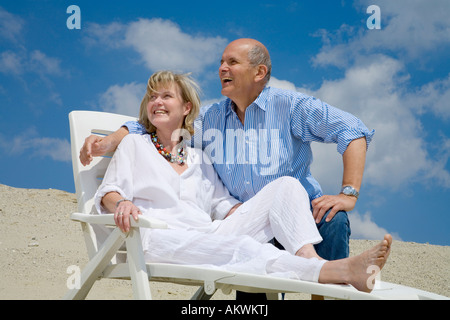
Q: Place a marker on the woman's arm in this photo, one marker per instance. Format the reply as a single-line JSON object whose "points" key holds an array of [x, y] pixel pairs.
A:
{"points": [[122, 209]]}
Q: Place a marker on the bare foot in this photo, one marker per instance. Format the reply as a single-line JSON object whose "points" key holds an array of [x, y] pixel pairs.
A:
{"points": [[368, 264], [358, 270], [308, 252]]}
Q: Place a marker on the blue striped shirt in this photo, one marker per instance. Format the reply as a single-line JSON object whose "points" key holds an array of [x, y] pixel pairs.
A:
{"points": [[274, 141]]}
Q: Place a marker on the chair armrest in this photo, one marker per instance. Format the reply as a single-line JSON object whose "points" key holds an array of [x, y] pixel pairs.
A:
{"points": [[108, 219]]}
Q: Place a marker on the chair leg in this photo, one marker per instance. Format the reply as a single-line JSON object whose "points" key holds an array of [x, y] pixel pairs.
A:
{"points": [[274, 296], [138, 269], [200, 294], [96, 265]]}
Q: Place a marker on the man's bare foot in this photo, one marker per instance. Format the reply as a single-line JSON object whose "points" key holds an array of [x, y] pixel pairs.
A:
{"points": [[358, 270]]}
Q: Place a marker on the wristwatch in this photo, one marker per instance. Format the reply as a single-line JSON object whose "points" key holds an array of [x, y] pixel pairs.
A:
{"points": [[350, 191]]}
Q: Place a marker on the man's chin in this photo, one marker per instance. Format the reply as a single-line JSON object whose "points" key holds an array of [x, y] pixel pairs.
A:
{"points": [[226, 91]]}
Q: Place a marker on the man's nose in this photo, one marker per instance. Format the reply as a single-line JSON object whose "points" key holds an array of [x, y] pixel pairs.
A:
{"points": [[223, 67]]}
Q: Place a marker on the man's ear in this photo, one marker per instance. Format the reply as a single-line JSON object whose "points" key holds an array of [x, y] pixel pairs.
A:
{"points": [[261, 72]]}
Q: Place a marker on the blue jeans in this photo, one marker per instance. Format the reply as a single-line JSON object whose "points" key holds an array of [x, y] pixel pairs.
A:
{"points": [[336, 236]]}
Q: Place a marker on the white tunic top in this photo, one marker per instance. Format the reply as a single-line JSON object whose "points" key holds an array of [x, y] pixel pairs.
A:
{"points": [[194, 205], [191, 200]]}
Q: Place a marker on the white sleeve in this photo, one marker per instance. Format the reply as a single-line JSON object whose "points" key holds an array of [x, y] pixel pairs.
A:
{"points": [[222, 201], [119, 175]]}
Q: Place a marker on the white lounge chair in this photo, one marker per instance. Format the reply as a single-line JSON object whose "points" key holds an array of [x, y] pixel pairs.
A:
{"points": [[108, 258]]}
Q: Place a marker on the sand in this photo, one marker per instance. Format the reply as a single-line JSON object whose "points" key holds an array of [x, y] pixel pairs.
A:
{"points": [[38, 242]]}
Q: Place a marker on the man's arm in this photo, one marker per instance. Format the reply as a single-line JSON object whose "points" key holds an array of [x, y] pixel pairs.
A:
{"points": [[354, 159], [95, 146]]}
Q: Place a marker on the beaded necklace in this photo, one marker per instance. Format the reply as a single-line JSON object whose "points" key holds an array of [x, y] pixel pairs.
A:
{"points": [[179, 158]]}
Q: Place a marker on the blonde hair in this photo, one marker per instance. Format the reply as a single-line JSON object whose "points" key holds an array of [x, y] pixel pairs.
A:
{"points": [[189, 93]]}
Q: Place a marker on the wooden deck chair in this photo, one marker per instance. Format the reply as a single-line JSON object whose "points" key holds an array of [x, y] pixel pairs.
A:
{"points": [[104, 242]]}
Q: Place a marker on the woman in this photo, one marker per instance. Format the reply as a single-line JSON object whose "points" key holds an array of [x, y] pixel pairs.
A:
{"points": [[160, 176]]}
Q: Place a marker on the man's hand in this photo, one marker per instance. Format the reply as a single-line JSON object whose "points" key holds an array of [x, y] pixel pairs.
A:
{"points": [[341, 202], [93, 146]]}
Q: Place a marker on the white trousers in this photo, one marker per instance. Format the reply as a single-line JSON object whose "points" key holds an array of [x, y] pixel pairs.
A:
{"points": [[239, 243]]}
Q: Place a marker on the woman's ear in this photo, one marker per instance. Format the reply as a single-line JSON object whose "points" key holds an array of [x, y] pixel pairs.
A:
{"points": [[187, 108]]}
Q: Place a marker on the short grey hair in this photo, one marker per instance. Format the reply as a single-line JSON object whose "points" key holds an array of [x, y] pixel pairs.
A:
{"points": [[257, 56]]}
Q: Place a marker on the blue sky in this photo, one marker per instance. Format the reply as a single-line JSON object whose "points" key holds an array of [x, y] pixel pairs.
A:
{"points": [[396, 79]]}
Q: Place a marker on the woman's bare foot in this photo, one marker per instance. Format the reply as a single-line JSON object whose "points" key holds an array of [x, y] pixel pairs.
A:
{"points": [[358, 270], [308, 252]]}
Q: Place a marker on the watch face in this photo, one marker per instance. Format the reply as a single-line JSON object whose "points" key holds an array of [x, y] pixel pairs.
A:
{"points": [[347, 190], [350, 191]]}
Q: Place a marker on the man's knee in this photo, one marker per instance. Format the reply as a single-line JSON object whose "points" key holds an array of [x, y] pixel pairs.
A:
{"points": [[336, 235], [339, 225], [340, 219]]}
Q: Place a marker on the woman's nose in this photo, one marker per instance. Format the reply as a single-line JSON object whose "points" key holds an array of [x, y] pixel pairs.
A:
{"points": [[158, 101]]}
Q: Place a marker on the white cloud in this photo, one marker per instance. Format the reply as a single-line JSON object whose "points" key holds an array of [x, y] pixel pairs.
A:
{"points": [[376, 92], [18, 63], [409, 29], [42, 64], [29, 144], [282, 84], [376, 88], [160, 43], [364, 228], [163, 45], [432, 97], [11, 63], [111, 35], [11, 26], [54, 148], [125, 99]]}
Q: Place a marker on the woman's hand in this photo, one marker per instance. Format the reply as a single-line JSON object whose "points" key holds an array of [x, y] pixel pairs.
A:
{"points": [[124, 210], [232, 210]]}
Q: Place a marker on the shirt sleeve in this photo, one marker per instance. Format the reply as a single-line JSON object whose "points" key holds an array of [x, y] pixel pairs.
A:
{"points": [[314, 120], [135, 127], [119, 175], [222, 201]]}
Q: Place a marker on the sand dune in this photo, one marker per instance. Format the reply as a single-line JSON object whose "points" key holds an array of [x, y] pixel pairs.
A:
{"points": [[38, 242]]}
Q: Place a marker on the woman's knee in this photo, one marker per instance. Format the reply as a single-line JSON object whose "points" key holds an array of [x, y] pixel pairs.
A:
{"points": [[290, 184]]}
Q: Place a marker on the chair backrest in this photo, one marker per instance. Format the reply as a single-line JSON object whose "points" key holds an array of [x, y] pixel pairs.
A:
{"points": [[88, 178]]}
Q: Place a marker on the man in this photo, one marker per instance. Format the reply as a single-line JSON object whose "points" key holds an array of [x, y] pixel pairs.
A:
{"points": [[260, 133]]}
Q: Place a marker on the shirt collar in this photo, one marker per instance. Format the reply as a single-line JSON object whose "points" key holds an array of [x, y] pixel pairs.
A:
{"points": [[260, 101]]}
